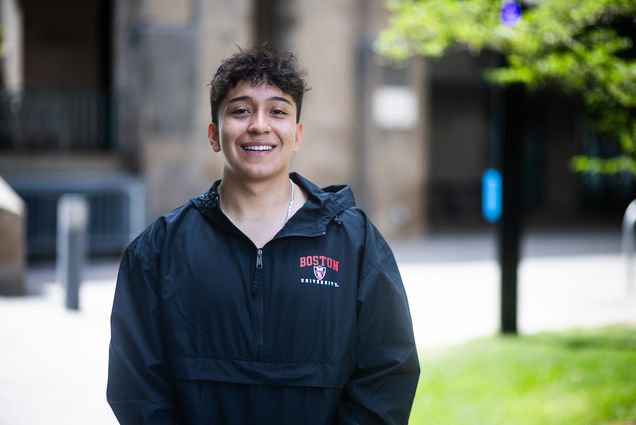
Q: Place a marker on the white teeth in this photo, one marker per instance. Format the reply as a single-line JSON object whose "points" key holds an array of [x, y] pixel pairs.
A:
{"points": [[257, 148]]}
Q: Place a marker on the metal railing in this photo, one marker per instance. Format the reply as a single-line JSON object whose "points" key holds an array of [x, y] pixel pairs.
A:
{"points": [[117, 209], [55, 120]]}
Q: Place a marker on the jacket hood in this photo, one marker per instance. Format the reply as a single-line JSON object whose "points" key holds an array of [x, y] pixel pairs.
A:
{"points": [[322, 206]]}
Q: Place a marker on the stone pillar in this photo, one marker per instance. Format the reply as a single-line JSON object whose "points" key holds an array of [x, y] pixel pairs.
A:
{"points": [[323, 38], [396, 165], [166, 53], [225, 24], [344, 142], [12, 242]]}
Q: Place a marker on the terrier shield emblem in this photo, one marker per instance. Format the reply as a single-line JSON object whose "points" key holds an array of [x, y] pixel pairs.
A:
{"points": [[319, 272]]}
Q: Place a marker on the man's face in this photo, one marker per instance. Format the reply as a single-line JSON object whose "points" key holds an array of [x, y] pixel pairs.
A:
{"points": [[256, 132]]}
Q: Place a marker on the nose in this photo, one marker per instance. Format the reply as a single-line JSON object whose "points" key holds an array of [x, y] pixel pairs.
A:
{"points": [[259, 124]]}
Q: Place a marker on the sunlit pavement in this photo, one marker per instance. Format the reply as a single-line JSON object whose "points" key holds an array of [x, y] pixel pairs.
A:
{"points": [[565, 281], [53, 362]]}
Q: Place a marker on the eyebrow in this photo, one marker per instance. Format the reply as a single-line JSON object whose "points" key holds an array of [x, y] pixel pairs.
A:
{"points": [[249, 98]]}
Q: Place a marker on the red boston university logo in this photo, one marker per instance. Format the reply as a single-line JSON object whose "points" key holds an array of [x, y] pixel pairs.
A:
{"points": [[319, 260], [320, 265]]}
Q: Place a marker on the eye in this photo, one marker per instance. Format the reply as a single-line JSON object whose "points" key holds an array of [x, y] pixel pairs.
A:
{"points": [[279, 112], [240, 111]]}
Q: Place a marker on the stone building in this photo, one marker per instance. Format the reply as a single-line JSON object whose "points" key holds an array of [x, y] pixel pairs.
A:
{"points": [[110, 98]]}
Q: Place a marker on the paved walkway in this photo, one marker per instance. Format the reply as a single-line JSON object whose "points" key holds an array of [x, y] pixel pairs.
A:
{"points": [[53, 363]]}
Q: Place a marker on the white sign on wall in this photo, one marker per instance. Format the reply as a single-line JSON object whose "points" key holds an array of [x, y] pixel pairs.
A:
{"points": [[395, 107]]}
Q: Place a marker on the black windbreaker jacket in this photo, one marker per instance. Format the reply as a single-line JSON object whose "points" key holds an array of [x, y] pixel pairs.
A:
{"points": [[314, 328]]}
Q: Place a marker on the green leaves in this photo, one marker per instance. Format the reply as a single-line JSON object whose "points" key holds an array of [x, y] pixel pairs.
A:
{"points": [[570, 44], [430, 27]]}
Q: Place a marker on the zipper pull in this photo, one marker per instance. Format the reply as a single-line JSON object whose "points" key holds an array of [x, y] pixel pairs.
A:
{"points": [[259, 259], [259, 265]]}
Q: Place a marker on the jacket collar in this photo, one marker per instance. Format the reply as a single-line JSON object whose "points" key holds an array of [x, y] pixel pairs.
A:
{"points": [[322, 206]]}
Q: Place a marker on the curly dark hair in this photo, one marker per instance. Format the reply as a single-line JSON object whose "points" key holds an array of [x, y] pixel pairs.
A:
{"points": [[258, 65]]}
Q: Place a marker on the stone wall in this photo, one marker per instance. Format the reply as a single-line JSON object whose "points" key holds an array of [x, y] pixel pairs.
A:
{"points": [[165, 62]]}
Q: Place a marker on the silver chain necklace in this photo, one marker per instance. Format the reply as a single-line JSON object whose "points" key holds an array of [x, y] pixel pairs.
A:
{"points": [[290, 207]]}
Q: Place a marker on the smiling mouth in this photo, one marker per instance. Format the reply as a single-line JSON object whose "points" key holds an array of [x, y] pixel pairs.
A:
{"points": [[263, 148]]}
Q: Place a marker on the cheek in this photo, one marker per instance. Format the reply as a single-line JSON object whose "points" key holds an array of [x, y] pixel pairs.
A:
{"points": [[288, 134], [229, 133]]}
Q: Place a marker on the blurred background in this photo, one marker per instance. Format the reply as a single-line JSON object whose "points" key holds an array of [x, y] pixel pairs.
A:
{"points": [[109, 99]]}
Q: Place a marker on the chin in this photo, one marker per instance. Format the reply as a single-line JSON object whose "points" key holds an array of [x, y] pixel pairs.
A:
{"points": [[260, 174]]}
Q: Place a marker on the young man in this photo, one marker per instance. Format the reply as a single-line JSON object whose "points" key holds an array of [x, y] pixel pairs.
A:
{"points": [[266, 300]]}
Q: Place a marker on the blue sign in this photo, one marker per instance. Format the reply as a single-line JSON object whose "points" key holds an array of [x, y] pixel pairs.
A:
{"points": [[510, 12], [491, 195]]}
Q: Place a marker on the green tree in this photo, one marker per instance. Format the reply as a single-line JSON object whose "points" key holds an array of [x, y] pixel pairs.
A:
{"points": [[570, 44]]}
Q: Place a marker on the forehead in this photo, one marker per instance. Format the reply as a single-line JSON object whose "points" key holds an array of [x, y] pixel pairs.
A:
{"points": [[261, 91]]}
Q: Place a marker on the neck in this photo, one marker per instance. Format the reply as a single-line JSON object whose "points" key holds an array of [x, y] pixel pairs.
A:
{"points": [[249, 200]]}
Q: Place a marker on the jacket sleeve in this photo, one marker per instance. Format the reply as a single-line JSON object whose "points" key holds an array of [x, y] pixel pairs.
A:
{"points": [[139, 389], [382, 386]]}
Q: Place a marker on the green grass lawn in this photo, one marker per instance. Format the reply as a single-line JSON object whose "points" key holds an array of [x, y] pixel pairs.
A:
{"points": [[578, 378]]}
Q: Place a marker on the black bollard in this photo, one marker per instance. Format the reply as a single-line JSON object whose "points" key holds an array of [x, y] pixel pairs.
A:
{"points": [[72, 220]]}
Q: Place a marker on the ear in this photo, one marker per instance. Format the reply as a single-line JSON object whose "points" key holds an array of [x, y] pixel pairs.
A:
{"points": [[298, 137], [213, 136]]}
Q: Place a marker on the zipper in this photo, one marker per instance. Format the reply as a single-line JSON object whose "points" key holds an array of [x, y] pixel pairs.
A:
{"points": [[258, 293], [259, 258]]}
